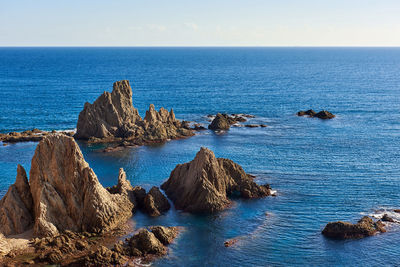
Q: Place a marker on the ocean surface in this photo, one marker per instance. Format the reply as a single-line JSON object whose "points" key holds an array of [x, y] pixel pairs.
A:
{"points": [[323, 171]]}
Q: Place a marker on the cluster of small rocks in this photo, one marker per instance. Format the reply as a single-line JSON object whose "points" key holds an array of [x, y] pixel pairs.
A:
{"points": [[323, 114], [223, 121], [34, 135]]}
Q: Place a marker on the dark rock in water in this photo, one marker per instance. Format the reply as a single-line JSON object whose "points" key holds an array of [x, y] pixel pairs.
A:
{"points": [[322, 114], [140, 195], [225, 121], [198, 127], [219, 123], [112, 118], [397, 210], [386, 218], [263, 125], [230, 242], [344, 230], [204, 184], [325, 115], [63, 193], [155, 202], [251, 125], [16, 207], [309, 112]]}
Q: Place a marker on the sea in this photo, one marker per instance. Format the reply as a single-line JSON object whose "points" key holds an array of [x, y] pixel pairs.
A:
{"points": [[322, 170]]}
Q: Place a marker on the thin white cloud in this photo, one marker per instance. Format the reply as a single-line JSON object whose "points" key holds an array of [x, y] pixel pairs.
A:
{"points": [[191, 25], [157, 27]]}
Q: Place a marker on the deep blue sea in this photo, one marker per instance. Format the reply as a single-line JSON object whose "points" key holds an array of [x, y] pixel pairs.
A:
{"points": [[322, 170]]}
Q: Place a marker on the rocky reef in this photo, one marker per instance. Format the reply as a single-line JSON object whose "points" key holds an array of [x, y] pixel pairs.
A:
{"points": [[112, 118], [323, 114], [345, 230], [63, 206], [34, 135], [204, 184], [223, 121]]}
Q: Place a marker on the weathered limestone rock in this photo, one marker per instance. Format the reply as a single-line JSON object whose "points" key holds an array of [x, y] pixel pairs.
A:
{"points": [[34, 135], [204, 184], [112, 118], [165, 234], [63, 193], [225, 121], [155, 202], [344, 230], [67, 194], [112, 114], [16, 206]]}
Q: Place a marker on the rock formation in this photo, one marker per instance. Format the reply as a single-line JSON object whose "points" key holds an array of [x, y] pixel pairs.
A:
{"points": [[225, 121], [34, 135], [155, 202], [311, 113], [63, 193], [204, 184], [220, 122], [112, 118], [344, 230], [16, 207]]}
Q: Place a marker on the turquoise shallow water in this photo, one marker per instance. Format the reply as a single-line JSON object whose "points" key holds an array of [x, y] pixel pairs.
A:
{"points": [[323, 170]]}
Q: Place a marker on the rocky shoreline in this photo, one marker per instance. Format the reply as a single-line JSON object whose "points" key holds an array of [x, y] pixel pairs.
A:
{"points": [[67, 217]]}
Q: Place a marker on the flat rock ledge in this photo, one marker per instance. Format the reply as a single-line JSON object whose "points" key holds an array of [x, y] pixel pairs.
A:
{"points": [[113, 119], [345, 230], [323, 114], [34, 135], [204, 184]]}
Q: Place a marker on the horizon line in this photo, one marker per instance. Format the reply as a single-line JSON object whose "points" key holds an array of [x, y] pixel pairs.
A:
{"points": [[194, 46]]}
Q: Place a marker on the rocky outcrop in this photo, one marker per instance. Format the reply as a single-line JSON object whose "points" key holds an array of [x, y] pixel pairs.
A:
{"points": [[63, 193], [112, 118], [16, 207], [34, 135], [204, 184], [225, 121], [345, 230], [155, 202], [325, 115], [220, 122]]}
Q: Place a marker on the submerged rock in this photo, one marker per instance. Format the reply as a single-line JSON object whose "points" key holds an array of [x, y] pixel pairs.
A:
{"points": [[112, 118], [387, 218], [63, 193], [311, 113], [344, 230], [204, 184]]}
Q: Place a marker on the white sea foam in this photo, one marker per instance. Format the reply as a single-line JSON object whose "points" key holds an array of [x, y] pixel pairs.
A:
{"points": [[378, 214]]}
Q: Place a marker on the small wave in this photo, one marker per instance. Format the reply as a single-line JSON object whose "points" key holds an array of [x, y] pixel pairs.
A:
{"points": [[378, 214]]}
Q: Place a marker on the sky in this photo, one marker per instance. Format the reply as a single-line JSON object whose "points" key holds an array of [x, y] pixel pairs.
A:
{"points": [[200, 23]]}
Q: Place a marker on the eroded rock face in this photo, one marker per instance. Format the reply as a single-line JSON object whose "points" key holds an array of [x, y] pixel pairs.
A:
{"points": [[67, 194], [16, 206], [112, 114], [345, 230], [204, 184], [112, 118], [63, 193]]}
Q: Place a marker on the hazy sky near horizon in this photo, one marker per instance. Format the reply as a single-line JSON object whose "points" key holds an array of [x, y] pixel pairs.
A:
{"points": [[200, 23]]}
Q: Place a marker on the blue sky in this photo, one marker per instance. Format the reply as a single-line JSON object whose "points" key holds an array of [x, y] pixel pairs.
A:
{"points": [[200, 23]]}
